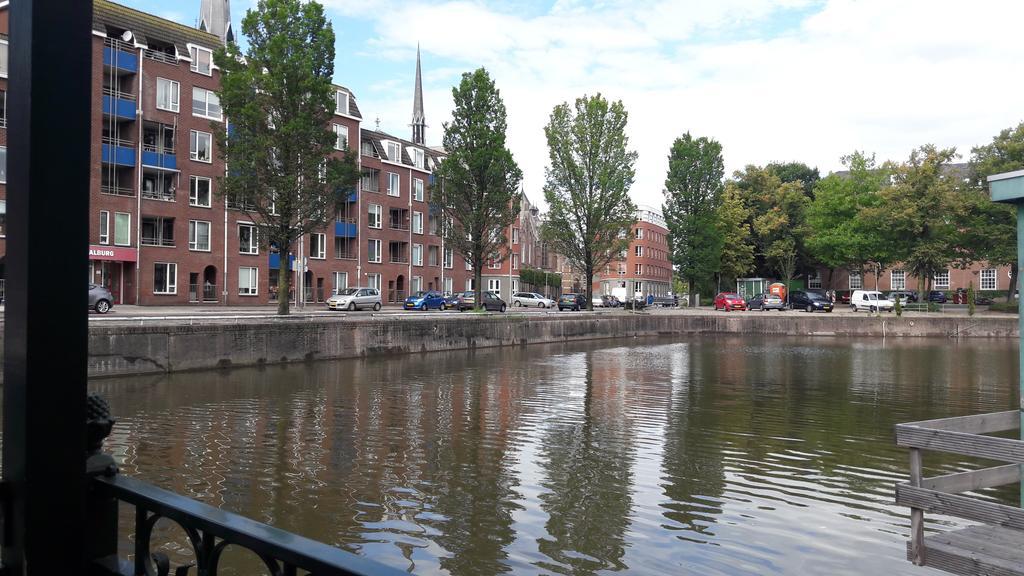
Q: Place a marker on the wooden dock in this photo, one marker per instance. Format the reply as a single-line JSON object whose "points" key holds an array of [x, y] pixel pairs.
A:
{"points": [[996, 547]]}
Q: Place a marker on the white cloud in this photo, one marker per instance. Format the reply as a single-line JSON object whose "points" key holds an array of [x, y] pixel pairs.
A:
{"points": [[873, 75]]}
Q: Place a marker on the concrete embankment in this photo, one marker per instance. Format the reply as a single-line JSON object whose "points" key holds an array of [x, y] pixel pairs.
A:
{"points": [[140, 349]]}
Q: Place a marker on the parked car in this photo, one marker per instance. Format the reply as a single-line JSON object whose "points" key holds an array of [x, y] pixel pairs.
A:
{"points": [[937, 296], [766, 301], [664, 301], [905, 296], [870, 300], [613, 301], [531, 299], [809, 301], [574, 302], [452, 300], [982, 300], [355, 299], [729, 301], [425, 300], [100, 299], [491, 301]]}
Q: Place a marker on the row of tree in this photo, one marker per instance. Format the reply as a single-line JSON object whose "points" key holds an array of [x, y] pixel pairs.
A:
{"points": [[925, 214]]}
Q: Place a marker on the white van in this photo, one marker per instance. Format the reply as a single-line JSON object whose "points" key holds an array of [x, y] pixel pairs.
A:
{"points": [[870, 300]]}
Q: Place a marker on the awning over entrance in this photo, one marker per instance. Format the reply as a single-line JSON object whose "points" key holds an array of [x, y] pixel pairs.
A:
{"points": [[112, 253]]}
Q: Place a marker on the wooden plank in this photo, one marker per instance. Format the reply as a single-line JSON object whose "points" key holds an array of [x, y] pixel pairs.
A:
{"points": [[1000, 449], [989, 550], [932, 501], [974, 479], [917, 549], [973, 424], [958, 561]]}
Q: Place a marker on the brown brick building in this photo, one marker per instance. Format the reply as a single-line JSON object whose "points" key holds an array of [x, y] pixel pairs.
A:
{"points": [[644, 267]]}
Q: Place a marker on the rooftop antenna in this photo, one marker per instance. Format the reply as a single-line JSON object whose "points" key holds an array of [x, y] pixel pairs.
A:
{"points": [[377, 121]]}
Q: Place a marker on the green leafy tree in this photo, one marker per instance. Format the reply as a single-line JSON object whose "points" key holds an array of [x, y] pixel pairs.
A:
{"points": [[796, 172], [995, 224], [779, 227], [737, 254], [479, 180], [693, 191], [588, 180], [278, 100]]}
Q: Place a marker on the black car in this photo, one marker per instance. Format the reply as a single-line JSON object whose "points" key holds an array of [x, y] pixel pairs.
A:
{"points": [[574, 302], [937, 296], [809, 301]]}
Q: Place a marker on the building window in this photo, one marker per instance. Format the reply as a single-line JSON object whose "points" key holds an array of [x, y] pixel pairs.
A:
{"points": [[417, 223], [515, 261], [417, 157], [416, 285], [202, 60], [448, 285], [318, 246], [373, 281], [515, 235], [157, 231], [340, 280], [3, 58], [375, 216], [3, 108], [199, 235], [417, 254], [3, 164], [371, 180], [433, 253], [941, 279], [470, 283], [814, 282], [206, 104], [167, 94], [165, 278], [639, 251], [373, 251], [199, 191], [622, 269], [898, 280], [494, 285], [247, 239], [104, 225], [417, 190], [639, 269], [122, 229], [639, 233], [340, 137], [200, 146], [248, 280], [394, 151], [493, 263], [340, 102], [448, 258], [393, 184], [856, 282], [988, 279]]}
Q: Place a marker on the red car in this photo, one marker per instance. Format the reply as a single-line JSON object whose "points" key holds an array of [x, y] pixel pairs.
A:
{"points": [[730, 301]]}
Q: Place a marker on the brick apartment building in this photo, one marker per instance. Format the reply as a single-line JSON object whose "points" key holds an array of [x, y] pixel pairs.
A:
{"points": [[644, 267]]}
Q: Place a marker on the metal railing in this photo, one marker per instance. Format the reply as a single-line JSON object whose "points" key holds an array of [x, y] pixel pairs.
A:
{"points": [[345, 219], [344, 255], [399, 259], [160, 56], [118, 94], [207, 291], [210, 531], [122, 142], [157, 149], [158, 195], [966, 436], [396, 296], [116, 190], [118, 44], [151, 241], [397, 225]]}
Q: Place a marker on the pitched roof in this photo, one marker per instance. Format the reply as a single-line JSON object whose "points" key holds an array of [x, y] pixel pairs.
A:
{"points": [[353, 107], [146, 27], [375, 137]]}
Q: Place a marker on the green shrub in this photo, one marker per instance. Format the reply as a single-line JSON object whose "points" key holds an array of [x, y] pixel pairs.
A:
{"points": [[1003, 307]]}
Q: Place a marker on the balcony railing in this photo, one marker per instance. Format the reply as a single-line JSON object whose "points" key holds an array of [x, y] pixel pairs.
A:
{"points": [[158, 195], [397, 225], [399, 259], [345, 219], [116, 190], [151, 241], [160, 56], [118, 94], [121, 142], [208, 292], [345, 254]]}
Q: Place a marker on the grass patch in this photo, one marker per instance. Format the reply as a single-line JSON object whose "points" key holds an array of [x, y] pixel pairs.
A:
{"points": [[1009, 307]]}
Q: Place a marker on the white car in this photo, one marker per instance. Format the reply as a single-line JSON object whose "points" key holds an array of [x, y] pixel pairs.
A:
{"points": [[355, 299], [531, 299], [871, 301]]}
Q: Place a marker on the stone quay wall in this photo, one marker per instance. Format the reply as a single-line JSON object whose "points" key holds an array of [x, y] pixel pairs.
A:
{"points": [[168, 346]]}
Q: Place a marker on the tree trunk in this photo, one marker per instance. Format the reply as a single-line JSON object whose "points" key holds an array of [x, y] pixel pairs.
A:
{"points": [[1013, 282], [478, 289], [590, 288], [284, 281]]}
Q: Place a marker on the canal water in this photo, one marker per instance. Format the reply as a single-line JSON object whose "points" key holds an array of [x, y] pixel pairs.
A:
{"points": [[710, 455]]}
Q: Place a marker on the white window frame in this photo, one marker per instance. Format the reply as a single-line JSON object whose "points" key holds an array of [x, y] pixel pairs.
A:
{"points": [[639, 234], [171, 286], [373, 281], [941, 280], [448, 258], [339, 281], [193, 235], [639, 252], [318, 246], [814, 282], [253, 276], [5, 59], [417, 254], [173, 90], [394, 184], [390, 147], [898, 280], [639, 270], [378, 211], [339, 97], [856, 280], [193, 52], [989, 279], [515, 261], [3, 164], [193, 146], [340, 136], [494, 285], [128, 232], [369, 253], [417, 157], [469, 284], [193, 191], [417, 222], [446, 285], [515, 235], [493, 263], [254, 245], [206, 98], [104, 227], [417, 189]]}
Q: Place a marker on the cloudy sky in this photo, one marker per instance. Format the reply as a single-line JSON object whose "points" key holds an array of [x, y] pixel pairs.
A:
{"points": [[776, 80]]}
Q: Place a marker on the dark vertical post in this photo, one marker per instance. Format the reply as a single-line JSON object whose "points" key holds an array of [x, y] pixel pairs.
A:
{"points": [[44, 447]]}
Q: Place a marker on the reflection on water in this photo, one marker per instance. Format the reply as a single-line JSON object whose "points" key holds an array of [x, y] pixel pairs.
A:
{"points": [[719, 455]]}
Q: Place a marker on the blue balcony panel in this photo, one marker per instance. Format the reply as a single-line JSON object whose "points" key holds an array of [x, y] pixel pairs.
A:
{"points": [[118, 155], [352, 196], [158, 160], [127, 61], [118, 107], [345, 230], [275, 261]]}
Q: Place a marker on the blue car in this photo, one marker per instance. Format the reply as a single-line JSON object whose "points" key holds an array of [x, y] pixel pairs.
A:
{"points": [[425, 301]]}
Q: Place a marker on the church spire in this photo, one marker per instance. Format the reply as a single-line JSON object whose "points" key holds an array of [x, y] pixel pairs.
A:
{"points": [[215, 18], [419, 121]]}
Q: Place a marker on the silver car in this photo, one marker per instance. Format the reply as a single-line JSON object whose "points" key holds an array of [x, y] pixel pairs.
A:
{"points": [[531, 299], [355, 299], [100, 299]]}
